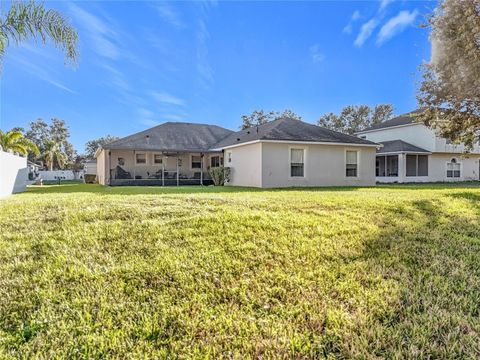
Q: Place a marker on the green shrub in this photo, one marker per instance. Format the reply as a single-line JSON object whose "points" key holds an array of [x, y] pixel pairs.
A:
{"points": [[220, 175]]}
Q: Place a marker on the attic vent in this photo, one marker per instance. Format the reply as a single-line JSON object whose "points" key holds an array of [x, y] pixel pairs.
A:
{"points": [[248, 132], [238, 139]]}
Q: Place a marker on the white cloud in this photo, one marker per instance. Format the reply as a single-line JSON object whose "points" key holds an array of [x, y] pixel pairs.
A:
{"points": [[384, 4], [102, 35], [165, 98], [167, 13], [315, 53], [396, 25], [355, 16], [365, 32]]}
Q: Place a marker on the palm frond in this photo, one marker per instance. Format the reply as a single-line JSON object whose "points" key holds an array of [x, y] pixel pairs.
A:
{"points": [[31, 20]]}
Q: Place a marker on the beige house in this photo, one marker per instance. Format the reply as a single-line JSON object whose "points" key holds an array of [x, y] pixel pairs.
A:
{"points": [[281, 153], [412, 152]]}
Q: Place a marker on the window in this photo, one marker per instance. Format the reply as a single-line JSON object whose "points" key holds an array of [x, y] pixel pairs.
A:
{"points": [[196, 162], [297, 163], [453, 169], [417, 165], [351, 164], [140, 159], [387, 166], [215, 161], [157, 159], [229, 156], [121, 161]]}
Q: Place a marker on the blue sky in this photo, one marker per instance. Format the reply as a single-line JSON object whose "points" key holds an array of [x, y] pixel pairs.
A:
{"points": [[144, 63]]}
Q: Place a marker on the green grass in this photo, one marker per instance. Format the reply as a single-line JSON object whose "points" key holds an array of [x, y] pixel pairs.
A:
{"points": [[149, 272]]}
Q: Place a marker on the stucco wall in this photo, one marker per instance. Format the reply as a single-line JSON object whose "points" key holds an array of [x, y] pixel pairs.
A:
{"points": [[324, 166], [245, 165], [61, 174], [101, 168], [418, 135], [13, 173]]}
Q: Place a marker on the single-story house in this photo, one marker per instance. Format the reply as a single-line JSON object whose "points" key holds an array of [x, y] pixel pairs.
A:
{"points": [[281, 153], [412, 152]]}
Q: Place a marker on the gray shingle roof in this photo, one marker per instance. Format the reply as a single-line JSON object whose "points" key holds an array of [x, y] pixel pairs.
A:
{"points": [[173, 136], [399, 146], [289, 130], [404, 119]]}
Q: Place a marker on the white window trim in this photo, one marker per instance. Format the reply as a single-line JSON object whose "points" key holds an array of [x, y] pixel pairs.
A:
{"points": [[461, 169], [201, 162], [358, 151], [146, 159], [210, 160], [153, 158], [304, 148]]}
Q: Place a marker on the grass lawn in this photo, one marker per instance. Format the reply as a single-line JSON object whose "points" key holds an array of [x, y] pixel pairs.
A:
{"points": [[142, 272]]}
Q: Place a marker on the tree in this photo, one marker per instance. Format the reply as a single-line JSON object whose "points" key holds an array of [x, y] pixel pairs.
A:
{"points": [[449, 93], [53, 155], [259, 117], [14, 141], [31, 20], [41, 133], [354, 118], [92, 145]]}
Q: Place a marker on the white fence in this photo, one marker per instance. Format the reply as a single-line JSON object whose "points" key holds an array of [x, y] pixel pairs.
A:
{"points": [[61, 174], [13, 173]]}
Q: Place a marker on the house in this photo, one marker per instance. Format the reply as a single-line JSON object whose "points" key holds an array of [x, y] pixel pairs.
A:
{"points": [[281, 153], [90, 167], [412, 152]]}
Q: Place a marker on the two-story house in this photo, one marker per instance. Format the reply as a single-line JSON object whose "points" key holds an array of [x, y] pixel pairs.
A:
{"points": [[412, 152]]}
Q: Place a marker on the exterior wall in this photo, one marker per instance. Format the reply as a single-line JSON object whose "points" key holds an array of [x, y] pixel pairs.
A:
{"points": [[245, 165], [324, 165], [102, 176], [418, 135], [91, 168], [437, 169], [13, 173]]}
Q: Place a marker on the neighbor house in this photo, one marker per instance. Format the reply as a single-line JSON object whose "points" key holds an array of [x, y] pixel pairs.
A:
{"points": [[281, 153], [412, 152]]}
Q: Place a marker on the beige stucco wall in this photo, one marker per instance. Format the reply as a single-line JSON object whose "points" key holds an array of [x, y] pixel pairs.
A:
{"points": [[245, 165], [101, 168], [324, 165], [267, 165]]}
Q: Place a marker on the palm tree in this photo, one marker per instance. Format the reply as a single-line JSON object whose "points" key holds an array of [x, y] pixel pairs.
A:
{"points": [[53, 153], [15, 142], [29, 19]]}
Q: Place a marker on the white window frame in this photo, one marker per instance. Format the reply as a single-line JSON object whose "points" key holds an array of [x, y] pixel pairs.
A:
{"points": [[153, 158], [290, 148], [416, 166], [146, 159], [219, 160], [358, 151], [460, 164], [191, 162]]}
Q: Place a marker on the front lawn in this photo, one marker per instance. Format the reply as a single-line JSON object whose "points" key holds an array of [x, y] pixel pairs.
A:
{"points": [[190, 272]]}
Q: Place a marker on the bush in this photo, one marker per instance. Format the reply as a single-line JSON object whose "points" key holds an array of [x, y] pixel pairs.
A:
{"points": [[220, 175]]}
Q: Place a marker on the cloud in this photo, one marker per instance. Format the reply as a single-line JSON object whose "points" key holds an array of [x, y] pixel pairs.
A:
{"points": [[365, 32], [355, 16], [102, 34], [165, 98], [167, 13], [384, 4], [396, 25], [315, 53]]}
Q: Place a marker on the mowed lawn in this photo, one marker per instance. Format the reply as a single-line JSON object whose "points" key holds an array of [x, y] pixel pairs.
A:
{"points": [[387, 272]]}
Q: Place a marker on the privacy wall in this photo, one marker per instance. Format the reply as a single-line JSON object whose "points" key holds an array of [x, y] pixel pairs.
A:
{"points": [[13, 173]]}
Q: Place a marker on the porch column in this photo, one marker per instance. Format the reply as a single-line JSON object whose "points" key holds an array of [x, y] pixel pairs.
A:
{"points": [[109, 173], [201, 169], [402, 167], [163, 170], [134, 165], [177, 172]]}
